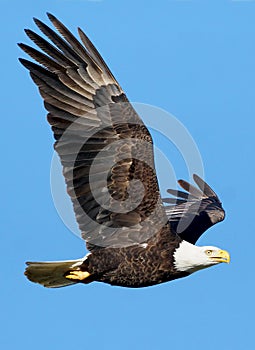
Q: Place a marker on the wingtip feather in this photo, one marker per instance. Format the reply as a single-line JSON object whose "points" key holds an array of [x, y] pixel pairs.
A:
{"points": [[204, 187], [51, 16]]}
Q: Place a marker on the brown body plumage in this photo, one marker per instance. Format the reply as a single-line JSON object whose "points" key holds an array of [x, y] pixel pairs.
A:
{"points": [[135, 266]]}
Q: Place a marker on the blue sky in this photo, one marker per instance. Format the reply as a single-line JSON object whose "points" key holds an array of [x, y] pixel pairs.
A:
{"points": [[196, 60]]}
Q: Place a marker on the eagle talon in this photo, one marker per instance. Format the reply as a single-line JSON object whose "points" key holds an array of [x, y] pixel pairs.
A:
{"points": [[77, 275]]}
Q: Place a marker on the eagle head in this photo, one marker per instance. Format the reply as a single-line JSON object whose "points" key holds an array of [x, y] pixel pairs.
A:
{"points": [[190, 258]]}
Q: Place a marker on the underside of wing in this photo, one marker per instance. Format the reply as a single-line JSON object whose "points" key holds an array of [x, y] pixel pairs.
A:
{"points": [[104, 147], [192, 212]]}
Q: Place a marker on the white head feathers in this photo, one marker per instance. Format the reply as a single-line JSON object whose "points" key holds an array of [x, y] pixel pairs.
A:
{"points": [[190, 258]]}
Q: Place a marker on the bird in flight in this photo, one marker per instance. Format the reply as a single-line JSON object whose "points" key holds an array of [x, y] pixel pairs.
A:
{"points": [[135, 238]]}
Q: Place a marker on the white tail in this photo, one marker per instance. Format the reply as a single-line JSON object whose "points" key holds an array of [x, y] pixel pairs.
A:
{"points": [[51, 274]]}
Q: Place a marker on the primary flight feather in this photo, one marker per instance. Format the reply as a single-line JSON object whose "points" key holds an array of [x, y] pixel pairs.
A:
{"points": [[107, 156]]}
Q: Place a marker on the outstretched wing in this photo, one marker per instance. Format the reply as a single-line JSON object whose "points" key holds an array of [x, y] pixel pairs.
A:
{"points": [[194, 211], [104, 147]]}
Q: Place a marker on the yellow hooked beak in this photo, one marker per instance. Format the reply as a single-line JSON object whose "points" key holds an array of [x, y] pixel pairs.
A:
{"points": [[221, 256]]}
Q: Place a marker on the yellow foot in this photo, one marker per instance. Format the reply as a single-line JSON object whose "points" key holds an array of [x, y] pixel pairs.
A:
{"points": [[77, 275]]}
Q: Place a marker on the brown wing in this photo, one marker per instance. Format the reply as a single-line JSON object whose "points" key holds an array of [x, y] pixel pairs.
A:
{"points": [[194, 211], [104, 147]]}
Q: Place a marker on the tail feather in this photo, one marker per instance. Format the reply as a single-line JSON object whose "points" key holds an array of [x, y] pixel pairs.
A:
{"points": [[51, 274]]}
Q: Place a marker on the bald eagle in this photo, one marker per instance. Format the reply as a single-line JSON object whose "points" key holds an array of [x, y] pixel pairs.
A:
{"points": [[106, 151]]}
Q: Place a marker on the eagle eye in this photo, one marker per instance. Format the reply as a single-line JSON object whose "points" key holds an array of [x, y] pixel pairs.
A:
{"points": [[208, 252]]}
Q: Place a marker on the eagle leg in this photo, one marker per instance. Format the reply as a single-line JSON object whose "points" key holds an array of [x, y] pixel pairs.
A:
{"points": [[77, 275]]}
